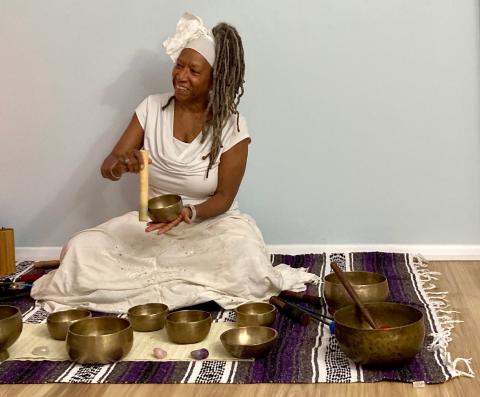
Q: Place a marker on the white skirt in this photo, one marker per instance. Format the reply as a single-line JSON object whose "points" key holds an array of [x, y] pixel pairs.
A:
{"points": [[117, 265]]}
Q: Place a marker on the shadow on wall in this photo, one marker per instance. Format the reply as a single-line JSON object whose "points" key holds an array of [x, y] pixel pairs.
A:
{"points": [[148, 74], [79, 208]]}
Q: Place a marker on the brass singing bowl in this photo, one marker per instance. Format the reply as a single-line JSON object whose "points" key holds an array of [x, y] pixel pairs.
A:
{"points": [[255, 313], [148, 317], [399, 339], [10, 328], [58, 322], [369, 286], [249, 342], [188, 326], [165, 208], [99, 340]]}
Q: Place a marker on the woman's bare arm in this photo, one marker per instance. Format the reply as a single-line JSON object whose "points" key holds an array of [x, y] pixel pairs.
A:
{"points": [[230, 174], [125, 156]]}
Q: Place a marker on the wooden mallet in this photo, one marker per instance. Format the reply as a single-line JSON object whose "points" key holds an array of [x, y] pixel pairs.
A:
{"points": [[143, 198]]}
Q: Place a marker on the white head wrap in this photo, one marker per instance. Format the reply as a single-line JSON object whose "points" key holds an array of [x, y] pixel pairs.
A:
{"points": [[191, 33]]}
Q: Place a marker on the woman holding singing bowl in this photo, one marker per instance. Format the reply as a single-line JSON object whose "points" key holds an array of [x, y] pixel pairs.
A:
{"points": [[198, 145]]}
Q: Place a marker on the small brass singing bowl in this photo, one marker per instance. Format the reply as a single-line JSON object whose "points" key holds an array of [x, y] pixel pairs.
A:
{"points": [[249, 342], [399, 339], [165, 208], [188, 326], [369, 286], [99, 340], [10, 328], [148, 317], [58, 322], [255, 313]]}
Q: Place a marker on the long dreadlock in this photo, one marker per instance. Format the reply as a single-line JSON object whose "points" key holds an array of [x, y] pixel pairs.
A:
{"points": [[227, 87]]}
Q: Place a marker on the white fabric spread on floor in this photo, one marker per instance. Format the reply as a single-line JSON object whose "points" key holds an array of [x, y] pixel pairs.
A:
{"points": [[36, 335], [116, 265]]}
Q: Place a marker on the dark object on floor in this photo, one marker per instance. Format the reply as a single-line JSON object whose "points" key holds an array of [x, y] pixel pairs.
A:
{"points": [[290, 311], [10, 290], [32, 275], [302, 297], [46, 264]]}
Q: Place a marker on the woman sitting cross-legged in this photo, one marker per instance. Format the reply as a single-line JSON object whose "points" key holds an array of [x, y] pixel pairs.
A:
{"points": [[198, 145]]}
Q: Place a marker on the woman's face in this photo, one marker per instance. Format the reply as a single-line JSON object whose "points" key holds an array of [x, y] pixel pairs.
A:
{"points": [[191, 77]]}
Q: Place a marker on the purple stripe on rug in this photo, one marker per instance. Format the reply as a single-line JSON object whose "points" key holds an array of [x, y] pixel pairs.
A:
{"points": [[147, 372], [13, 372]]}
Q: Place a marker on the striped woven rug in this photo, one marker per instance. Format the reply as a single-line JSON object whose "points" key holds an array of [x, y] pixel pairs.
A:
{"points": [[303, 354]]}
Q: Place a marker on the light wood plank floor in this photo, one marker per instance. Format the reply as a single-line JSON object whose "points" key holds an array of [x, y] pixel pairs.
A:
{"points": [[461, 279]]}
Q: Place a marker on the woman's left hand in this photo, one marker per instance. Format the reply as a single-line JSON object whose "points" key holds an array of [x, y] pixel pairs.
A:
{"points": [[185, 216]]}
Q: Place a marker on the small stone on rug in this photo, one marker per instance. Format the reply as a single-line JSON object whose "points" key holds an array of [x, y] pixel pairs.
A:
{"points": [[40, 351], [159, 352], [199, 354]]}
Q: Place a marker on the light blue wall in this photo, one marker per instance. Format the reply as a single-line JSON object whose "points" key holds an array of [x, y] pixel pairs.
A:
{"points": [[364, 114]]}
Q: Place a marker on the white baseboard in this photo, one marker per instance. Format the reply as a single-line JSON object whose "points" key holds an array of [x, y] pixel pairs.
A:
{"points": [[37, 253], [429, 252]]}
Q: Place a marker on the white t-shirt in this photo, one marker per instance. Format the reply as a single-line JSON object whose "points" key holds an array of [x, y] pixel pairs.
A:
{"points": [[177, 167]]}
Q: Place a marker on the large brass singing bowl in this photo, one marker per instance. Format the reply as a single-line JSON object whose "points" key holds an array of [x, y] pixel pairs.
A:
{"points": [[59, 322], [10, 328], [165, 208], [188, 326], [370, 287], [399, 339], [99, 340], [255, 313], [249, 342], [148, 317]]}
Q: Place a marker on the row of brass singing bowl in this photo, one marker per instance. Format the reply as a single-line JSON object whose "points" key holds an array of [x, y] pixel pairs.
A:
{"points": [[103, 340], [249, 342], [252, 337], [255, 313], [59, 322], [99, 340], [148, 317], [188, 326], [399, 339], [10, 328], [165, 208], [370, 287]]}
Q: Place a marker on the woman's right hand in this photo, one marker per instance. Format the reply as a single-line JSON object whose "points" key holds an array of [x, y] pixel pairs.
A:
{"points": [[132, 161], [114, 166], [125, 156]]}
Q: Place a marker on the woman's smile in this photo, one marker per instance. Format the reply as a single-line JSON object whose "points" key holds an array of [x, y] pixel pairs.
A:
{"points": [[181, 88]]}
